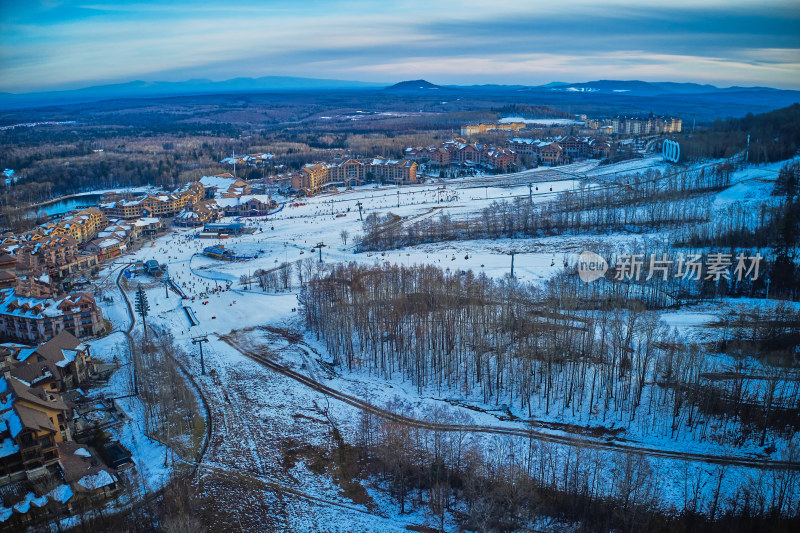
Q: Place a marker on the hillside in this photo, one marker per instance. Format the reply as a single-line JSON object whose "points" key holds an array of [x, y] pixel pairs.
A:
{"points": [[413, 86], [773, 136]]}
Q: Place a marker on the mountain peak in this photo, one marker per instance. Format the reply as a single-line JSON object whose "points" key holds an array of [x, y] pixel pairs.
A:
{"points": [[413, 85]]}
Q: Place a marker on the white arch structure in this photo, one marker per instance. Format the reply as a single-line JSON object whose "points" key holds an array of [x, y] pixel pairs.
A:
{"points": [[671, 151]]}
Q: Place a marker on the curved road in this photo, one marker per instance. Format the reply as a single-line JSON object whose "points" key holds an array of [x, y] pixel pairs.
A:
{"points": [[755, 462], [241, 473]]}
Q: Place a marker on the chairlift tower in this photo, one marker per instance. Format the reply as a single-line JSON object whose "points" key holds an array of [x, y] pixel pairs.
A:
{"points": [[512, 253], [200, 341], [319, 247]]}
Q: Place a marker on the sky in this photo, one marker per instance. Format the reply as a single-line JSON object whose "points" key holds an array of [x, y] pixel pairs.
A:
{"points": [[55, 45]]}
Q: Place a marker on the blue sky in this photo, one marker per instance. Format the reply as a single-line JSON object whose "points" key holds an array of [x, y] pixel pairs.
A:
{"points": [[53, 44]]}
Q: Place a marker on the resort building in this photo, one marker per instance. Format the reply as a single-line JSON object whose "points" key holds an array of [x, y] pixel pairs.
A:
{"points": [[475, 129], [162, 205], [313, 177], [35, 320]]}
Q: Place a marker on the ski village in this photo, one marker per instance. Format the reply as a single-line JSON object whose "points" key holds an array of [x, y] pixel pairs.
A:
{"points": [[386, 345]]}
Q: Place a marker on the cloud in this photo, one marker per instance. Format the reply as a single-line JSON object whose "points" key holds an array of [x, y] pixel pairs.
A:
{"points": [[532, 68], [67, 43]]}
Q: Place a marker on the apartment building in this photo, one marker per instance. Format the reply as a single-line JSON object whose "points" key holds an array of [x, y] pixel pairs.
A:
{"points": [[460, 152], [161, 205], [83, 225], [223, 186], [249, 205], [645, 125], [539, 151], [198, 214], [35, 320], [34, 422], [314, 177], [475, 129], [8, 268], [55, 253], [62, 363]]}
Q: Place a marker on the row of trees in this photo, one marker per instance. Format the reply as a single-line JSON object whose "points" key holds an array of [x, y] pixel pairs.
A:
{"points": [[283, 277], [506, 484], [171, 412], [633, 203], [547, 352]]}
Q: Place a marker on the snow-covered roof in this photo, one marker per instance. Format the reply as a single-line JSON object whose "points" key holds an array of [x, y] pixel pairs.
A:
{"points": [[96, 481], [187, 215], [61, 494], [69, 357], [24, 506], [8, 447], [107, 243], [218, 182], [230, 202], [24, 353], [46, 375]]}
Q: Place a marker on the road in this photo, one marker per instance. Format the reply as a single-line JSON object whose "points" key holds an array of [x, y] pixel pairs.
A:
{"points": [[241, 473], [570, 440]]}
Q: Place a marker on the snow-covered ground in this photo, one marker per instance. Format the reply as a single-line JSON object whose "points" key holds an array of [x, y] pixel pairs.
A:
{"points": [[251, 404]]}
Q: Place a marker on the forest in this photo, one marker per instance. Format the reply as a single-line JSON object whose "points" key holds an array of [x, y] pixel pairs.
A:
{"points": [[773, 136], [545, 353]]}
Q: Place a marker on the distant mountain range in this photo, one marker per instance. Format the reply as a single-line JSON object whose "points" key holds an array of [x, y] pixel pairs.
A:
{"points": [[644, 88], [155, 89], [667, 91]]}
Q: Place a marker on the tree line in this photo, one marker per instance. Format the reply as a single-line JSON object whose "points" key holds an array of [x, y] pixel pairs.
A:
{"points": [[504, 484], [636, 203], [545, 351]]}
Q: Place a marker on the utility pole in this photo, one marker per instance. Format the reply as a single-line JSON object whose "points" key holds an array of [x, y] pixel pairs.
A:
{"points": [[319, 247], [166, 287], [360, 214], [530, 192], [398, 198], [200, 341]]}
